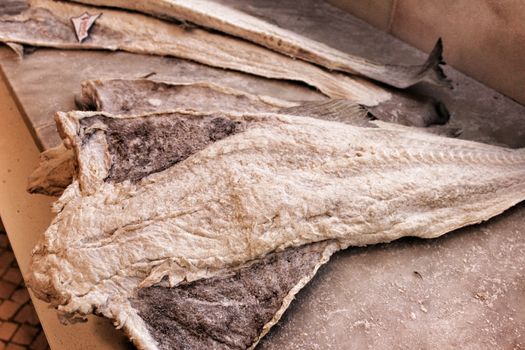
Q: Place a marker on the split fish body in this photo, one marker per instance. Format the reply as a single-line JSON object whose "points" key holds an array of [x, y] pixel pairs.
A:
{"points": [[211, 14], [277, 182], [45, 23]]}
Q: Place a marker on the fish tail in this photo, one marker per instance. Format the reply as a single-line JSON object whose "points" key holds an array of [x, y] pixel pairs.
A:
{"points": [[431, 70]]}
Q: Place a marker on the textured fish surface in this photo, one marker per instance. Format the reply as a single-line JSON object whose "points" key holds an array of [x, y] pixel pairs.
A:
{"points": [[54, 173], [119, 96], [131, 227], [47, 23], [58, 165], [231, 21]]}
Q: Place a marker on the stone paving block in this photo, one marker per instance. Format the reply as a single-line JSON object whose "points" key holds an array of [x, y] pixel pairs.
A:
{"points": [[6, 289], [14, 347], [20, 296], [19, 325], [8, 309], [40, 342], [25, 335], [13, 275], [4, 242], [6, 259], [7, 329], [27, 315]]}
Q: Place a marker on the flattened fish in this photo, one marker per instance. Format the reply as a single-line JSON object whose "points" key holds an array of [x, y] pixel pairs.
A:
{"points": [[117, 96], [47, 23], [213, 15], [58, 165], [120, 96], [250, 185]]}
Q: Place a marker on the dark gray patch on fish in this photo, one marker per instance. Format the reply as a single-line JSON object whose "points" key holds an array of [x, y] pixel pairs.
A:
{"points": [[13, 7], [226, 312], [142, 146]]}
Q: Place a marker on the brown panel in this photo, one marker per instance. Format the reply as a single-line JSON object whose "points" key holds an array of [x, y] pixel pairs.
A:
{"points": [[483, 38]]}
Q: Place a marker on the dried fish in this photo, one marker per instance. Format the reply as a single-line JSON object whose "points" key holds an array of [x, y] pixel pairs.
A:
{"points": [[213, 15], [121, 96], [250, 185], [57, 166], [55, 172], [117, 96], [47, 23]]}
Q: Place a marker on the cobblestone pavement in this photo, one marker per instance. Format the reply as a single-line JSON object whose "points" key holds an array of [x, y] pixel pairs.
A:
{"points": [[19, 325]]}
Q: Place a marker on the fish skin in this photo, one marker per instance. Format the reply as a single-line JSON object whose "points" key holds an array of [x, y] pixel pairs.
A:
{"points": [[55, 172], [57, 166], [284, 182], [225, 19], [50, 177], [13, 7], [118, 96], [137, 33], [136, 96]]}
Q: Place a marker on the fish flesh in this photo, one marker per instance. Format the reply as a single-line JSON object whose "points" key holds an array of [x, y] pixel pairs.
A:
{"points": [[119, 96], [225, 19], [292, 268], [55, 171], [47, 23], [57, 166], [150, 217]]}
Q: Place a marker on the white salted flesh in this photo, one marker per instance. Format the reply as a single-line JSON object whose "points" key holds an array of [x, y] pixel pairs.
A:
{"points": [[133, 32], [212, 14], [285, 181]]}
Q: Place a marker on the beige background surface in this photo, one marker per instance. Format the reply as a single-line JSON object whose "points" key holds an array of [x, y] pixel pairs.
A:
{"points": [[483, 38]]}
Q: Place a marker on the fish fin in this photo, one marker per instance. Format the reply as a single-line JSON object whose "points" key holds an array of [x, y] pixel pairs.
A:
{"points": [[55, 172], [431, 70], [17, 48], [339, 110]]}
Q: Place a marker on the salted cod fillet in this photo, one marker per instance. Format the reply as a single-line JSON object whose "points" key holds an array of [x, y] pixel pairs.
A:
{"points": [[47, 23], [257, 184], [119, 96], [58, 165], [216, 16], [266, 287]]}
